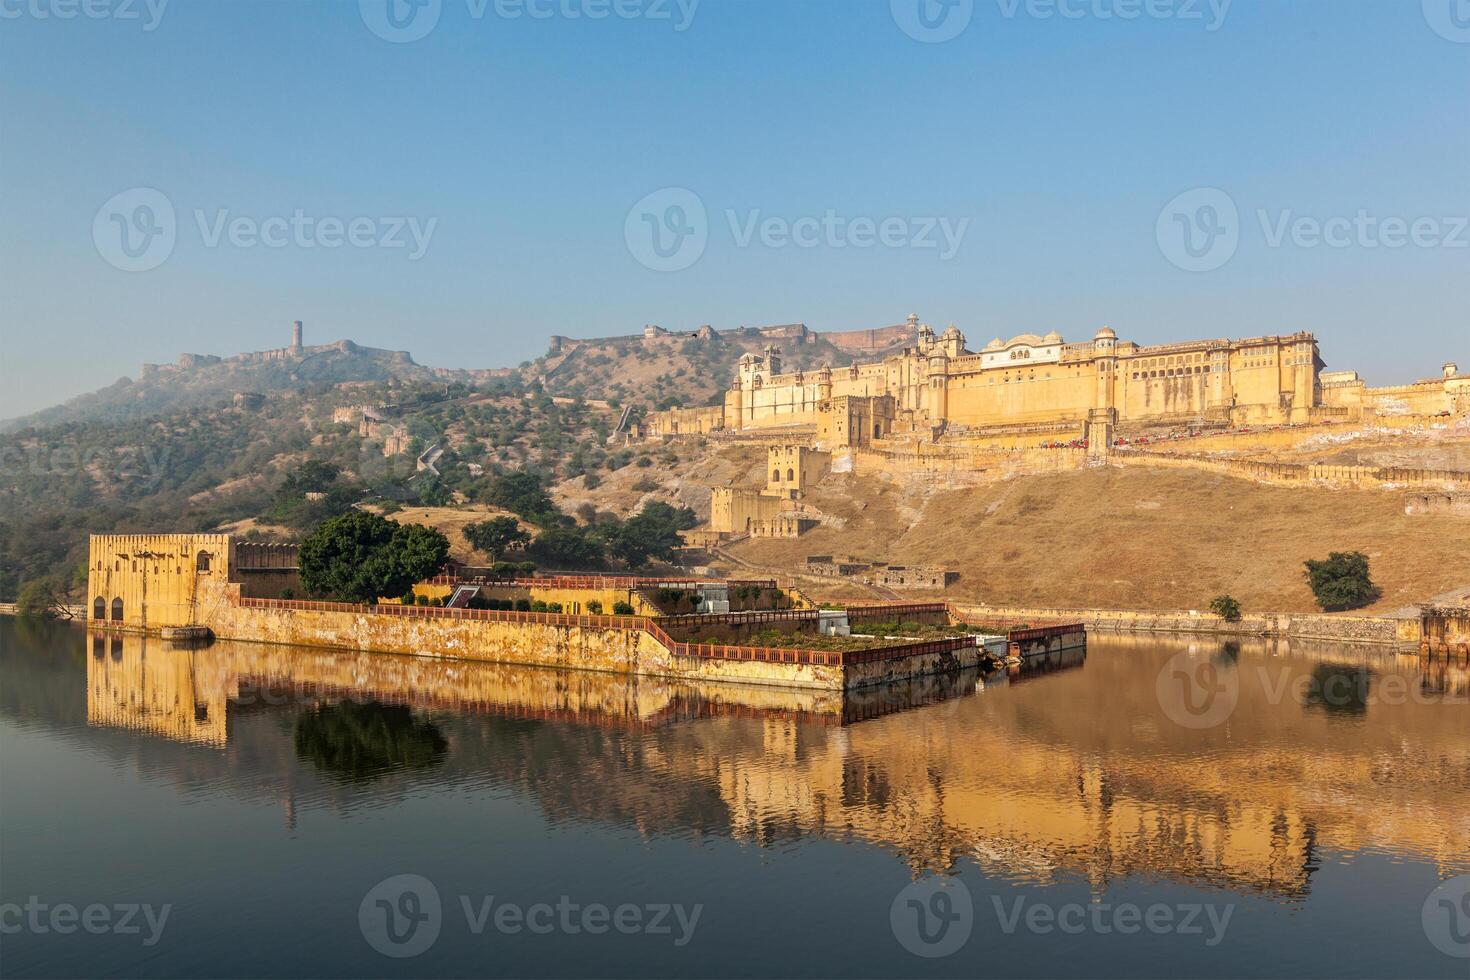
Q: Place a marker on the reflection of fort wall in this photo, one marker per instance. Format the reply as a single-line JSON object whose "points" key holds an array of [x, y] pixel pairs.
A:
{"points": [[1078, 772]]}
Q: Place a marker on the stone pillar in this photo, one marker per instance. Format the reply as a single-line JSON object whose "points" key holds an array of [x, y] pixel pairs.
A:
{"points": [[1102, 423]]}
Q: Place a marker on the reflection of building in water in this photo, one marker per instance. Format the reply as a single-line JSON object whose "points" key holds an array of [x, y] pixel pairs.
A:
{"points": [[150, 688], [1078, 772]]}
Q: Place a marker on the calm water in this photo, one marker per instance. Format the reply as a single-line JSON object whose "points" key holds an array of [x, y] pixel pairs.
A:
{"points": [[1159, 808]]}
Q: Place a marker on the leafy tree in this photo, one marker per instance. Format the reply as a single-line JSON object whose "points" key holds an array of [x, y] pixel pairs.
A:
{"points": [[653, 533], [1342, 581], [521, 492], [568, 547], [358, 557], [495, 536], [51, 596], [1226, 607], [312, 476]]}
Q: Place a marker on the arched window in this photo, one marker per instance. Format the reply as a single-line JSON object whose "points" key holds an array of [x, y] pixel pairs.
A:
{"points": [[117, 610], [877, 432], [99, 608], [201, 562], [790, 476], [775, 476]]}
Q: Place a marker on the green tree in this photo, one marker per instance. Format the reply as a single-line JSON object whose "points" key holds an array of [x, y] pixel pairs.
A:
{"points": [[1226, 607], [312, 476], [49, 597], [522, 492], [359, 557], [568, 547], [653, 533], [495, 536], [1342, 581]]}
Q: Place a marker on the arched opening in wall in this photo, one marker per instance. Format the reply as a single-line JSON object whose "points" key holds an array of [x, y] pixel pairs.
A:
{"points": [[99, 608], [201, 562], [790, 476], [877, 432], [117, 610], [775, 476]]}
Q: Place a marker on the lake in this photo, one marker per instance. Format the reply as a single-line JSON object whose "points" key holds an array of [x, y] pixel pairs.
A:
{"points": [[1155, 807]]}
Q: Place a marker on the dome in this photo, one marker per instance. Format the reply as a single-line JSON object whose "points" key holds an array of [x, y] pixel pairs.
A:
{"points": [[996, 344], [1052, 338], [1106, 333]]}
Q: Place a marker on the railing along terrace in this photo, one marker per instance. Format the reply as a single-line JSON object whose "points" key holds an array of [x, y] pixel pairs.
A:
{"points": [[440, 612], [598, 581]]}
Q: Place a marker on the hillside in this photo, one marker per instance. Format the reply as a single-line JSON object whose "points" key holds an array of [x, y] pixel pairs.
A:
{"points": [[1134, 539], [673, 369], [203, 380]]}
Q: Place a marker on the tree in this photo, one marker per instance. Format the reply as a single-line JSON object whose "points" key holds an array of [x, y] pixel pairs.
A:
{"points": [[495, 536], [364, 741], [49, 597], [312, 476], [653, 533], [521, 492], [359, 557], [1226, 607], [568, 547], [1342, 581]]}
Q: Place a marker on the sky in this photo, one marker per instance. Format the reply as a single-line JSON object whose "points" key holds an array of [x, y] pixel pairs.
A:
{"points": [[465, 178]]}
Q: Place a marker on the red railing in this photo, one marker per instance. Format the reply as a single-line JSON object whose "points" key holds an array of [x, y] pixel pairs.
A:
{"points": [[599, 582]]}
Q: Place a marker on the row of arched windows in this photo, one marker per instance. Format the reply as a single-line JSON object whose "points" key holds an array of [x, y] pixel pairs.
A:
{"points": [[100, 609]]}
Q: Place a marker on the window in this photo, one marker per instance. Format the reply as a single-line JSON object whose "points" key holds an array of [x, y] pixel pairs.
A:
{"points": [[99, 608], [201, 562], [775, 476], [117, 610], [790, 476]]}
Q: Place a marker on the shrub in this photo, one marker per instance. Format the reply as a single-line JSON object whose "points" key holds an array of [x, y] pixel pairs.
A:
{"points": [[523, 605], [1226, 607], [553, 607], [622, 609], [421, 600], [538, 606], [408, 598], [1342, 581], [594, 606]]}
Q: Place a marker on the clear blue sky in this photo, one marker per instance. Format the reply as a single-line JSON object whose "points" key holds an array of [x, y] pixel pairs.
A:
{"points": [[1059, 139]]}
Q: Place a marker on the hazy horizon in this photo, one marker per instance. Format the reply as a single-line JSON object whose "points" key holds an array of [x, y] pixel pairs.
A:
{"points": [[464, 180]]}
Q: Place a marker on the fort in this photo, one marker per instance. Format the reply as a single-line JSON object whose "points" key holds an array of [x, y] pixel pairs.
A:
{"points": [[1032, 390], [213, 584]]}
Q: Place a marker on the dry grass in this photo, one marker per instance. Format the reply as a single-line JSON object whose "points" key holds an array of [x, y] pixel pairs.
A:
{"points": [[1135, 539]]}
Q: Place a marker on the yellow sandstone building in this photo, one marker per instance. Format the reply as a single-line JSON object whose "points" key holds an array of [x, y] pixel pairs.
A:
{"points": [[1042, 387]]}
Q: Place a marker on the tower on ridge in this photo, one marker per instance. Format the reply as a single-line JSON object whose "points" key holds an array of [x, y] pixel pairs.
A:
{"points": [[296, 337]]}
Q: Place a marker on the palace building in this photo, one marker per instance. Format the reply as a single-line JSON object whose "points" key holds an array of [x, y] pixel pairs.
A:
{"points": [[1032, 388]]}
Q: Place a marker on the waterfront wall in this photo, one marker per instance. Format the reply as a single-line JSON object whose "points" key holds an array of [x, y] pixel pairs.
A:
{"points": [[1290, 474], [1346, 629]]}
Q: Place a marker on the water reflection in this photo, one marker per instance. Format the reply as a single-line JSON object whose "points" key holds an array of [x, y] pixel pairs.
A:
{"points": [[1070, 767]]}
